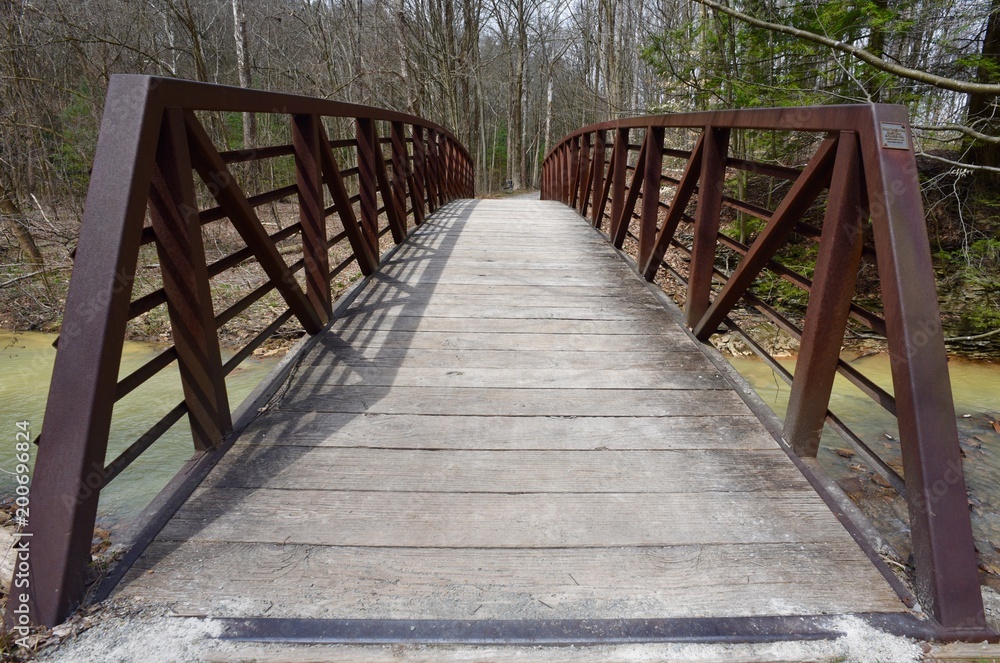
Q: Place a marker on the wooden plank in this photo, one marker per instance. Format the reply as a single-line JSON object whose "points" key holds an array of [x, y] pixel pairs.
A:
{"points": [[511, 341], [457, 309], [325, 355], [512, 402], [240, 579], [490, 520], [412, 323], [429, 298], [518, 471], [325, 429], [382, 285], [512, 378]]}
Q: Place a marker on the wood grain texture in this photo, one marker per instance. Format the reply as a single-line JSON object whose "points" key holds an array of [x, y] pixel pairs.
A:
{"points": [[512, 378], [501, 520], [506, 424], [479, 401], [408, 583], [507, 471], [324, 429], [331, 352]]}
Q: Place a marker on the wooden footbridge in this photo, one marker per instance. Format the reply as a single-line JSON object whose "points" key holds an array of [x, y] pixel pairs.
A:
{"points": [[503, 433]]}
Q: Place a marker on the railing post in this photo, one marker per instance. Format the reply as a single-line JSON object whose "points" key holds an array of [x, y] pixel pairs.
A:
{"points": [[829, 302], [309, 176], [574, 171], [547, 179], [620, 157], [650, 192], [947, 580], [401, 174], [174, 215], [365, 134], [420, 174], [69, 467], [396, 218], [585, 165], [596, 206], [706, 228], [433, 191]]}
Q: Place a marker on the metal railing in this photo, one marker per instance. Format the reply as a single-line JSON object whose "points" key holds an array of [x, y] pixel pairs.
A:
{"points": [[863, 157], [151, 145]]}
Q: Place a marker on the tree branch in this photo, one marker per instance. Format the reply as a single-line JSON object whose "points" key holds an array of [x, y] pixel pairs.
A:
{"points": [[968, 131], [959, 164], [942, 82]]}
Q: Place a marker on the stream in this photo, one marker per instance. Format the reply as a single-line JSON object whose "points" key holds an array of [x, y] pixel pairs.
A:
{"points": [[25, 370]]}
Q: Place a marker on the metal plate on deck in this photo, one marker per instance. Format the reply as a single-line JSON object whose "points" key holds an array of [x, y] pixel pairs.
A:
{"points": [[554, 632]]}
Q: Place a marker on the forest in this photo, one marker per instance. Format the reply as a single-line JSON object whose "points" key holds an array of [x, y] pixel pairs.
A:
{"points": [[510, 78]]}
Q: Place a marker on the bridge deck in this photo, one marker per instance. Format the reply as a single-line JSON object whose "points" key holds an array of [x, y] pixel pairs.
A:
{"points": [[507, 424]]}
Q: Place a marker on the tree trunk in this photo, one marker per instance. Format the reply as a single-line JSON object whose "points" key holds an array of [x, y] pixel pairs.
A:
{"points": [[982, 107], [13, 219], [243, 70]]}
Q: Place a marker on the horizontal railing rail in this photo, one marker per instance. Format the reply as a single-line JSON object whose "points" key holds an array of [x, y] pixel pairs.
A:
{"points": [[144, 190], [665, 201]]}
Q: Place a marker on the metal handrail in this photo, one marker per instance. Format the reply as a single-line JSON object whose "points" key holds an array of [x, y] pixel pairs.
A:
{"points": [[865, 160], [151, 144]]}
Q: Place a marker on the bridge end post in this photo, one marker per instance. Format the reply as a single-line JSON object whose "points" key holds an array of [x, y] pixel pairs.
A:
{"points": [[947, 580]]}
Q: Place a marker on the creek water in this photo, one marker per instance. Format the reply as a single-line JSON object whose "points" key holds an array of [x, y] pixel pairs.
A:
{"points": [[25, 370], [976, 391]]}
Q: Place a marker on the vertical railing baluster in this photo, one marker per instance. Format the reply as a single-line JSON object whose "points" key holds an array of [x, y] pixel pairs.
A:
{"points": [[401, 175], [574, 171], [620, 157], [837, 264], [597, 206], [365, 134], [420, 174], [396, 218], [585, 161], [433, 191], [650, 211], [706, 227], [309, 177], [174, 216]]}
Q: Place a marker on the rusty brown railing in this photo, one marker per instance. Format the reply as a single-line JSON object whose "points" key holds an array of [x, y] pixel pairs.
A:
{"points": [[863, 157], [151, 145]]}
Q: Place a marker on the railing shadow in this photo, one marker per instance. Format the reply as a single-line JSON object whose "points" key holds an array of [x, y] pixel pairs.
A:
{"points": [[380, 309]]}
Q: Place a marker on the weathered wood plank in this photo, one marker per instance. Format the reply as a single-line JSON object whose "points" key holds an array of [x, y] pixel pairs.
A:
{"points": [[490, 520], [382, 285], [518, 471], [490, 311], [513, 378], [544, 433], [327, 354], [429, 298], [508, 341], [403, 583], [407, 322], [512, 402]]}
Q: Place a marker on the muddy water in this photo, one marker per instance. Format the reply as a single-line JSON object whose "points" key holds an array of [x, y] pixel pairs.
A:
{"points": [[976, 390], [25, 369]]}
